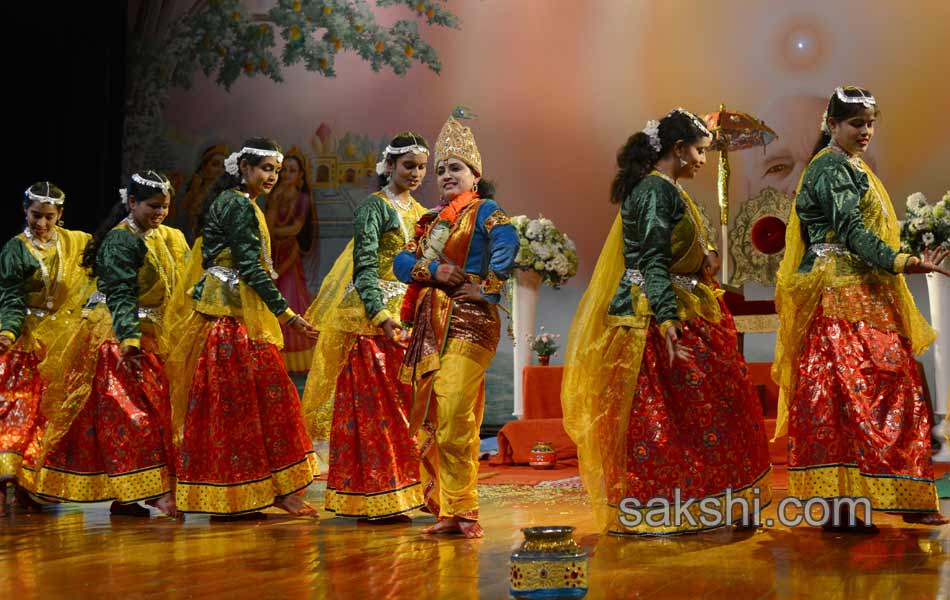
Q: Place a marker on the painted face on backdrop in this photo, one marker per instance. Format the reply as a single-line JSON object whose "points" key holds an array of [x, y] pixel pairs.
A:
{"points": [[290, 173], [151, 212], [262, 177], [454, 178], [213, 168], [41, 218], [409, 171]]}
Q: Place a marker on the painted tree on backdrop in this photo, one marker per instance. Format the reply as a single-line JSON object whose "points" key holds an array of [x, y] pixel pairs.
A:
{"points": [[223, 39]]}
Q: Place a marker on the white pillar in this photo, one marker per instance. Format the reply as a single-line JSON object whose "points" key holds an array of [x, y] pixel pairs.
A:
{"points": [[938, 289], [523, 312]]}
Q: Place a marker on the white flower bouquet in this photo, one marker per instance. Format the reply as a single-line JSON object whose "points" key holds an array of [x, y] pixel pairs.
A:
{"points": [[925, 226], [545, 250]]}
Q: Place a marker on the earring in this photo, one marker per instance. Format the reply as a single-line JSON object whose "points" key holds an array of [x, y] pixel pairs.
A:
{"points": [[61, 223], [243, 180], [475, 187], [683, 163]]}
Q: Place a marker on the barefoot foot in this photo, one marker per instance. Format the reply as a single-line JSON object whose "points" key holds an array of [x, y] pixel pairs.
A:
{"points": [[447, 526], [296, 506], [132, 509], [926, 519], [166, 504], [471, 529]]}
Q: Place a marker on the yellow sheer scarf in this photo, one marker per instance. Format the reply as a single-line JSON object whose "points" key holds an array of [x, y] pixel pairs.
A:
{"points": [[70, 366], [797, 295], [40, 334], [596, 427], [332, 347]]}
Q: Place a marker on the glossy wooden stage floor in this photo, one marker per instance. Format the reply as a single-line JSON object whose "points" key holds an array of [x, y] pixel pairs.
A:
{"points": [[80, 552]]}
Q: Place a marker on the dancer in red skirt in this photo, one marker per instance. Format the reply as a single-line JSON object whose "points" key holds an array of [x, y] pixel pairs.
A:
{"points": [[656, 394], [354, 382], [108, 434], [242, 442], [851, 394], [40, 275]]}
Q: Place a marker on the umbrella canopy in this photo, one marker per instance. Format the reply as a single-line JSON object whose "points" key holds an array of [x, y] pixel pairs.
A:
{"points": [[738, 130]]}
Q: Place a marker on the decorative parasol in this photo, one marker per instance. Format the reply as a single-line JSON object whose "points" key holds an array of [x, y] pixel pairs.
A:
{"points": [[733, 131]]}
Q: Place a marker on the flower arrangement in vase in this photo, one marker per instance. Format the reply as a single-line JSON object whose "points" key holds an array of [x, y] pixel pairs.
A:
{"points": [[544, 345]]}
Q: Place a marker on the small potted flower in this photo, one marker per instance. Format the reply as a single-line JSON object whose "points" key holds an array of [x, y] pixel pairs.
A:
{"points": [[544, 345]]}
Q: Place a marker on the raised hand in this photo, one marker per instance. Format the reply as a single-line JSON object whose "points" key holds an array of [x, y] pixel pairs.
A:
{"points": [[394, 332], [929, 261], [469, 291], [449, 275], [303, 327], [673, 346]]}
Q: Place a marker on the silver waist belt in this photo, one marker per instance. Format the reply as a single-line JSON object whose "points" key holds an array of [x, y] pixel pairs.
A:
{"points": [[635, 277], [227, 275], [144, 312], [390, 289], [824, 250]]}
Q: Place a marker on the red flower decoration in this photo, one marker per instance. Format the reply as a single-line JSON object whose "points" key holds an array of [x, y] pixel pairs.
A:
{"points": [[768, 235]]}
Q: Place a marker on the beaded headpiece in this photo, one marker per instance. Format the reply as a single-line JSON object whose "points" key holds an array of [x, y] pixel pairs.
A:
{"points": [[415, 148], [866, 99], [231, 162], [45, 199], [456, 141], [159, 185]]}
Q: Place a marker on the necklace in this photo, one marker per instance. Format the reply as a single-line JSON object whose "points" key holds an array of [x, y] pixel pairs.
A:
{"points": [[49, 285], [860, 165], [700, 227], [136, 229], [667, 178], [400, 208], [157, 261], [404, 206]]}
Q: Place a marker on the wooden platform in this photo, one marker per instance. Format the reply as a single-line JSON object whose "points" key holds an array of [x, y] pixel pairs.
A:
{"points": [[80, 552]]}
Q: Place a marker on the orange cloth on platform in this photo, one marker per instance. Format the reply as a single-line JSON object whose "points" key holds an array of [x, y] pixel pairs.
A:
{"points": [[541, 390], [516, 439]]}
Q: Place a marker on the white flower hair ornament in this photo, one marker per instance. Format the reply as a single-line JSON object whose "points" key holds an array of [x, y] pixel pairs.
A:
{"points": [[231, 162], [414, 149], [652, 129], [124, 194]]}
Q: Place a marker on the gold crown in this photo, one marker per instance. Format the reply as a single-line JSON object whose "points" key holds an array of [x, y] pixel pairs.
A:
{"points": [[456, 141]]}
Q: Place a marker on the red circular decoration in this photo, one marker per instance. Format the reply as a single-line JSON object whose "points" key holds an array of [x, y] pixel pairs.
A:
{"points": [[768, 235]]}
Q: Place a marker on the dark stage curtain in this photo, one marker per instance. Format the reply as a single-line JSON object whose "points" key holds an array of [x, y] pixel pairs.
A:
{"points": [[64, 102]]}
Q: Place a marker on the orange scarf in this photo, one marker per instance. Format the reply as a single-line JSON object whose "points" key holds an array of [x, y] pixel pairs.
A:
{"points": [[449, 213]]}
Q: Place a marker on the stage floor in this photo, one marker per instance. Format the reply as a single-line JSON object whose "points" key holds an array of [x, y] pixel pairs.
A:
{"points": [[80, 552]]}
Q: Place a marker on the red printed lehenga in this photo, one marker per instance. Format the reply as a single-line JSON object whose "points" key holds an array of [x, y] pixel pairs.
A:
{"points": [[647, 431], [851, 394], [353, 394], [241, 440]]}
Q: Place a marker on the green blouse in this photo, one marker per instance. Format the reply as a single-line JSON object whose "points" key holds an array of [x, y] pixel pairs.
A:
{"points": [[23, 291], [379, 234], [829, 206], [660, 242], [232, 239], [137, 275]]}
